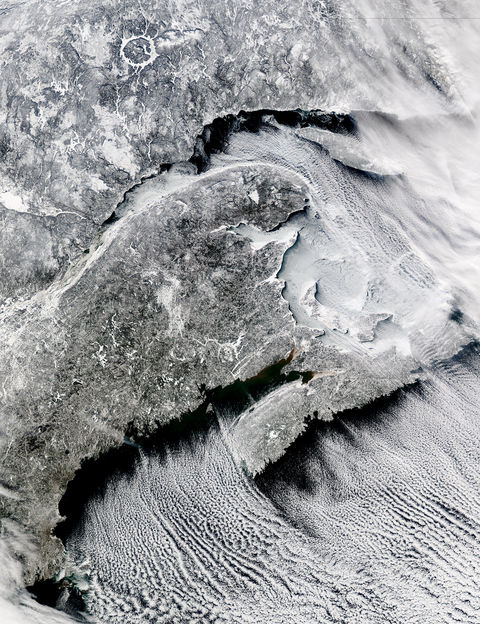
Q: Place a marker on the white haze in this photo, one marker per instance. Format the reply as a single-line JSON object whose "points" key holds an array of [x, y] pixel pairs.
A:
{"points": [[17, 606]]}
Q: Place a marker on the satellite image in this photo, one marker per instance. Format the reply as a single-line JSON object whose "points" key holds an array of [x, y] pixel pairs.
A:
{"points": [[239, 312]]}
